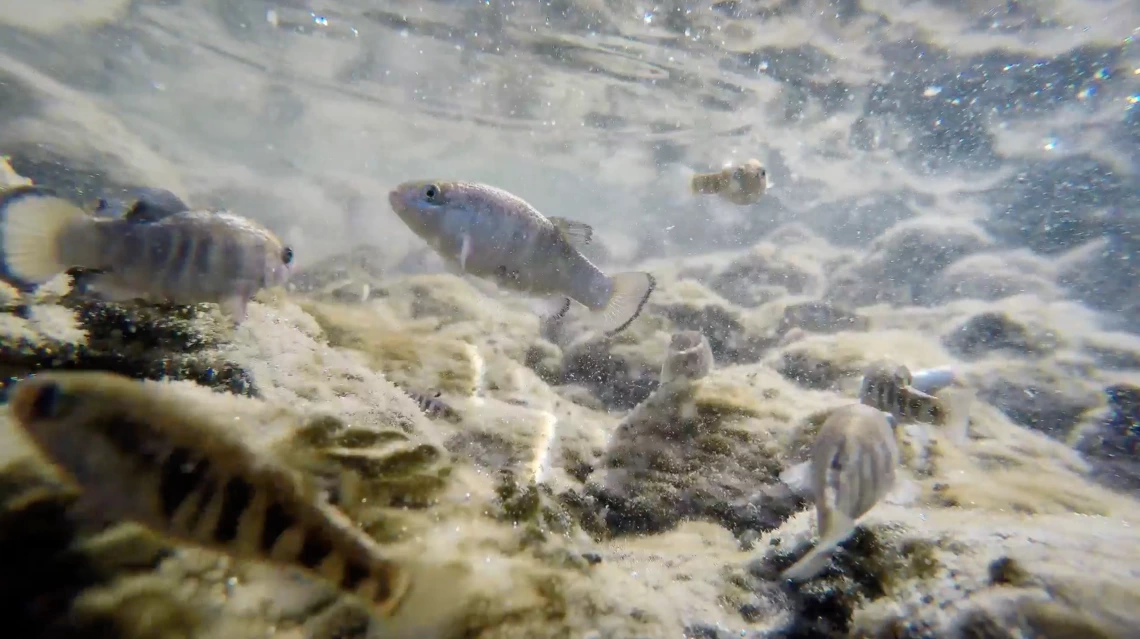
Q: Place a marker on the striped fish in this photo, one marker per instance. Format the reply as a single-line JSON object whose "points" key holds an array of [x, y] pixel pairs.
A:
{"points": [[891, 388], [183, 257], [486, 232], [852, 467], [137, 455]]}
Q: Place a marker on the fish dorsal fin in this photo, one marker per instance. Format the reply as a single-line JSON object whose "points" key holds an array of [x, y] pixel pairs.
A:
{"points": [[577, 233]]}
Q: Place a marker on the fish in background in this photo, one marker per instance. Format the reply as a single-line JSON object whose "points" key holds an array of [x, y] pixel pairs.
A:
{"points": [[150, 252], [908, 397], [137, 455], [852, 467], [742, 184], [486, 232], [688, 357]]}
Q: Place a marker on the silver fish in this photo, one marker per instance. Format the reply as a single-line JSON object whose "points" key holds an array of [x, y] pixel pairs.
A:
{"points": [[487, 232], [184, 257], [852, 467], [139, 456], [688, 356], [891, 388]]}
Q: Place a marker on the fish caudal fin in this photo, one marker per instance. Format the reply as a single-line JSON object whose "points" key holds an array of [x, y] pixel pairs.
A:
{"points": [[932, 380], [817, 558], [956, 424], [628, 297], [33, 222]]}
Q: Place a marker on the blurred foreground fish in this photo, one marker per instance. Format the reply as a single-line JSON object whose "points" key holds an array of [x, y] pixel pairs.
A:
{"points": [[487, 232], [139, 456], [893, 389], [742, 184], [852, 467], [149, 253]]}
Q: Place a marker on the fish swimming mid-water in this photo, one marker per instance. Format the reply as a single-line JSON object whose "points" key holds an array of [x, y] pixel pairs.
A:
{"points": [[184, 257], [852, 467], [741, 184], [487, 232], [138, 455], [892, 388]]}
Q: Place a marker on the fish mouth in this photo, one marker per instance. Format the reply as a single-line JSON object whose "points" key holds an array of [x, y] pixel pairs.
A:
{"points": [[394, 199]]}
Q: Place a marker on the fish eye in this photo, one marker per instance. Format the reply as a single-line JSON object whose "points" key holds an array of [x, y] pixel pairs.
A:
{"points": [[48, 402], [431, 193], [287, 255]]}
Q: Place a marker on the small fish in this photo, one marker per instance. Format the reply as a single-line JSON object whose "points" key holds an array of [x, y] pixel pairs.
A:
{"points": [[185, 257], [742, 184], [139, 456], [688, 356], [852, 467], [487, 232], [891, 388], [433, 406]]}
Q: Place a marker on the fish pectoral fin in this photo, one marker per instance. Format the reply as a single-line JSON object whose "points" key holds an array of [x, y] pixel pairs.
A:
{"points": [[550, 308], [577, 233], [957, 402], [799, 479], [107, 288]]}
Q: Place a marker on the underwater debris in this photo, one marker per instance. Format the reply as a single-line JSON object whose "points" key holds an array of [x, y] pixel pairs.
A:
{"points": [[688, 358], [137, 455], [742, 184], [464, 222]]}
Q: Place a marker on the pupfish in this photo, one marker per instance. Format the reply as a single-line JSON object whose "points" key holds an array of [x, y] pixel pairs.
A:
{"points": [[184, 257], [137, 454], [688, 357], [893, 389], [852, 467], [489, 233], [742, 184]]}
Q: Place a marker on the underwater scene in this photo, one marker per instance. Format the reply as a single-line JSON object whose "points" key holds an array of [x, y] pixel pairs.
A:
{"points": [[570, 319]]}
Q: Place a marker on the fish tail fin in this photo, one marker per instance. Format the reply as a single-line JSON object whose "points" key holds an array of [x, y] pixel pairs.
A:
{"points": [[33, 222], [932, 380], [840, 528], [627, 298], [706, 183], [956, 423]]}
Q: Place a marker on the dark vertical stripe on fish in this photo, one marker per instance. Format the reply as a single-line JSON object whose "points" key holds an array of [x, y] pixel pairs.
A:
{"points": [[315, 549], [176, 268], [160, 244], [236, 498], [205, 497], [203, 254], [354, 574], [178, 478], [231, 262], [127, 250], [277, 521]]}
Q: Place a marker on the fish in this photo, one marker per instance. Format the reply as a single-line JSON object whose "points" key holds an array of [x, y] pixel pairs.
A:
{"points": [[184, 257], [486, 232], [140, 204], [432, 405], [688, 357], [851, 468], [742, 184], [891, 388], [138, 455]]}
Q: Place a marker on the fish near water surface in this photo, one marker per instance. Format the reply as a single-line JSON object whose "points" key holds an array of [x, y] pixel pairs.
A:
{"points": [[852, 467], [139, 455], [487, 232], [149, 253]]}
